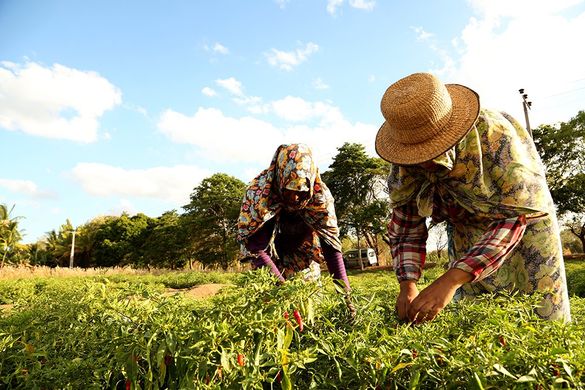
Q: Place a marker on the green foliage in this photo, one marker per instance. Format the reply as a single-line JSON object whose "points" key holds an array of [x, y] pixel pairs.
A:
{"points": [[108, 332], [562, 149], [211, 218], [117, 240], [357, 182], [10, 235], [163, 243]]}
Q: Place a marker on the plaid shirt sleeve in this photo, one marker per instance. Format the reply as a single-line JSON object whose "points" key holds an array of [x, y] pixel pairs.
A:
{"points": [[492, 249], [408, 242]]}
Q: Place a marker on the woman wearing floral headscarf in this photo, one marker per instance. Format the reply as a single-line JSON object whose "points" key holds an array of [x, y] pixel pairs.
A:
{"points": [[479, 171], [287, 219]]}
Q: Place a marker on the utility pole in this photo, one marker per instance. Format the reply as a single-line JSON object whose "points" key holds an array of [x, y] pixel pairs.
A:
{"points": [[526, 105], [72, 249]]}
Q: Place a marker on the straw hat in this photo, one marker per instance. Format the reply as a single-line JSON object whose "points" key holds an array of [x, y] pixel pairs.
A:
{"points": [[424, 118]]}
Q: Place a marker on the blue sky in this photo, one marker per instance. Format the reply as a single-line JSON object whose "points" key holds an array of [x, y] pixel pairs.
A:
{"points": [[112, 106]]}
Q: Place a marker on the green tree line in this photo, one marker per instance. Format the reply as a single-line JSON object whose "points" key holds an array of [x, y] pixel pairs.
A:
{"points": [[205, 229]]}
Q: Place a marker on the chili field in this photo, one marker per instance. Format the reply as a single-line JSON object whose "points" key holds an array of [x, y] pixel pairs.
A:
{"points": [[148, 332]]}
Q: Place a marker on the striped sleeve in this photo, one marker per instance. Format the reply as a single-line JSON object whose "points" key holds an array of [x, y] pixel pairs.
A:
{"points": [[408, 242], [492, 249]]}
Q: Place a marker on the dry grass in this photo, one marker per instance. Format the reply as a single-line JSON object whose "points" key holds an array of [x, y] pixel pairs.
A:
{"points": [[24, 272], [27, 271]]}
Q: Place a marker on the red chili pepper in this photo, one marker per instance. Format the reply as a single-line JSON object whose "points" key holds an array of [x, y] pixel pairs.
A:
{"points": [[241, 362], [556, 371], [168, 360], [128, 384], [285, 315], [299, 319], [279, 377]]}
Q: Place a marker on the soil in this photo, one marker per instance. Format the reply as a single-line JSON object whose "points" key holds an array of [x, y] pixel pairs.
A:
{"points": [[200, 292]]}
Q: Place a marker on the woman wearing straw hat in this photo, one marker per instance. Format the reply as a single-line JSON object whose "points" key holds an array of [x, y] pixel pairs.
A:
{"points": [[479, 171], [287, 219]]}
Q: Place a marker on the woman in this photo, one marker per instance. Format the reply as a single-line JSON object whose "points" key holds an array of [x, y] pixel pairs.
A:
{"points": [[287, 219], [479, 171]]}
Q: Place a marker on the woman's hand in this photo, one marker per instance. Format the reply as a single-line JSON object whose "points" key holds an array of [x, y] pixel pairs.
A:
{"points": [[408, 292], [436, 296]]}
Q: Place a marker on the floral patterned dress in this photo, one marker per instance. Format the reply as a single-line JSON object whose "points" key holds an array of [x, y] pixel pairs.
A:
{"points": [[292, 168], [494, 173]]}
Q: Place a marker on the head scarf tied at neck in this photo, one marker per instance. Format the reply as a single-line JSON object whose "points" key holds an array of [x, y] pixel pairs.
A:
{"points": [[292, 168], [494, 172]]}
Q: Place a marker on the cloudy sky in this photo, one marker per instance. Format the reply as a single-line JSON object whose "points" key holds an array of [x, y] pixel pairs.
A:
{"points": [[110, 106]]}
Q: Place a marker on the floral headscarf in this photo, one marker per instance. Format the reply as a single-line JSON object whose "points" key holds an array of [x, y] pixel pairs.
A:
{"points": [[495, 172], [292, 168]]}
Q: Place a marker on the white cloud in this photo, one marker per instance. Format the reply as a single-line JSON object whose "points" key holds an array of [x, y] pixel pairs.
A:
{"points": [[363, 4], [56, 102], [320, 84], [421, 34], [172, 184], [25, 187], [231, 85], [494, 9], [219, 137], [281, 3], [333, 5], [123, 206], [521, 44], [250, 140], [252, 103], [295, 109], [208, 92], [219, 48], [287, 60]]}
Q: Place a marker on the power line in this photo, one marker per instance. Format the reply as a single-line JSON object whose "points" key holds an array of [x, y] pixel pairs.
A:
{"points": [[563, 93]]}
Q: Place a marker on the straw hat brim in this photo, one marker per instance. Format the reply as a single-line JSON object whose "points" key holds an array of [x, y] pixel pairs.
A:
{"points": [[465, 113]]}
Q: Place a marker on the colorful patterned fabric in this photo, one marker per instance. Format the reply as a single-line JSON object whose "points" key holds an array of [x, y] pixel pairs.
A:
{"points": [[292, 168], [496, 175]]}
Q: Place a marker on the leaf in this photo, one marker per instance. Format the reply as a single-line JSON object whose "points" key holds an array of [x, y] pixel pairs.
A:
{"points": [[225, 361], [477, 381], [502, 370], [310, 311], [286, 382], [414, 380], [568, 369], [526, 378], [400, 366], [288, 336]]}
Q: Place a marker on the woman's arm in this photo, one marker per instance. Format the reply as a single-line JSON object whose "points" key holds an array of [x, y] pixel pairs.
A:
{"points": [[335, 264], [408, 234], [257, 244], [492, 249], [484, 258]]}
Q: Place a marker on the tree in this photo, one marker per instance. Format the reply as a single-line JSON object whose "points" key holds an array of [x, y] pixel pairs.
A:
{"points": [[212, 218], [562, 150], [58, 245], [357, 182], [10, 235], [165, 242], [118, 239]]}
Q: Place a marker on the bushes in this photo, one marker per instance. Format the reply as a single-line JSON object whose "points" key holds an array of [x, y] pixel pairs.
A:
{"points": [[100, 332]]}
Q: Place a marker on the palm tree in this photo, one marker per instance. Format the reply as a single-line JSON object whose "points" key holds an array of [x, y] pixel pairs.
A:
{"points": [[9, 233]]}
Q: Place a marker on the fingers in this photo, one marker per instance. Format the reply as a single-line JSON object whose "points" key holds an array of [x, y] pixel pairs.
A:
{"points": [[402, 306], [423, 311]]}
